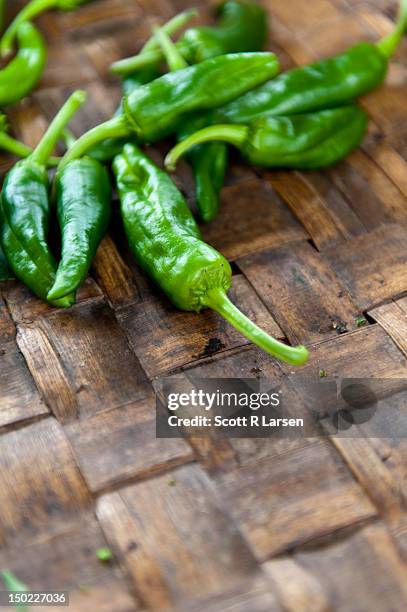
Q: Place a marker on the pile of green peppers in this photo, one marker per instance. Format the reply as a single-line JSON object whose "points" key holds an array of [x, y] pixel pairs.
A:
{"points": [[221, 89]]}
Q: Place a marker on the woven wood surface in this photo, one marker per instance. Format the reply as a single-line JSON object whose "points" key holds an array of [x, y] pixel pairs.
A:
{"points": [[215, 524]]}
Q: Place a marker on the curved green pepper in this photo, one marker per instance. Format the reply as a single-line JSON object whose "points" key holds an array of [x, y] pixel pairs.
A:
{"points": [[83, 208], [307, 141], [31, 10], [166, 242], [322, 84], [208, 163], [25, 210], [156, 109], [242, 27], [21, 75]]}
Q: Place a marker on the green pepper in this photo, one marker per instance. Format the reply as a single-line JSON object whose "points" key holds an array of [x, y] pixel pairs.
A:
{"points": [[242, 27], [31, 10], [83, 208], [305, 141], [166, 241], [323, 84], [156, 109], [208, 163], [25, 210], [23, 72]]}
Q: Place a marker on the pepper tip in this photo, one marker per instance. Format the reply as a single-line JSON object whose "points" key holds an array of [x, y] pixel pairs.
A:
{"points": [[299, 355]]}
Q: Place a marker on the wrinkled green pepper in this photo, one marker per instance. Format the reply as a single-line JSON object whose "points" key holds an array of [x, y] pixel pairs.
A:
{"points": [[323, 84], [31, 10], [24, 71], [242, 27], [83, 208], [304, 141], [25, 210], [166, 241], [156, 109], [209, 163]]}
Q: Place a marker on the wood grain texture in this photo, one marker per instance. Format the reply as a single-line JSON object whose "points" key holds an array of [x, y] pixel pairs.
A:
{"points": [[71, 554], [241, 229], [120, 445], [372, 266], [215, 524], [393, 318], [42, 490], [272, 507], [302, 292], [92, 349], [373, 573], [20, 399], [48, 372], [171, 549]]}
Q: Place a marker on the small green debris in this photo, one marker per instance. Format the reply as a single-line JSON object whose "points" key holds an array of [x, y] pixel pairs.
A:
{"points": [[172, 482], [322, 374], [360, 321], [104, 554]]}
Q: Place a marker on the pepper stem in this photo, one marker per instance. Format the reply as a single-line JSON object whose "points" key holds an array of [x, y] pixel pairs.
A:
{"points": [[170, 28], [137, 62], [7, 143], [47, 144], [388, 45], [219, 301], [233, 134], [31, 10], [173, 57], [151, 54], [114, 128], [19, 149]]}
